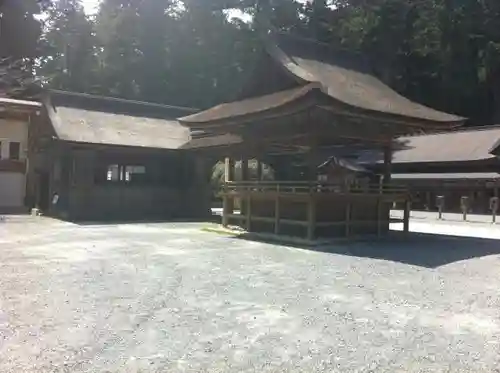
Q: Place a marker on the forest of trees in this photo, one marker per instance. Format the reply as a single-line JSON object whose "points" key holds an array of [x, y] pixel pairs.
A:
{"points": [[443, 53]]}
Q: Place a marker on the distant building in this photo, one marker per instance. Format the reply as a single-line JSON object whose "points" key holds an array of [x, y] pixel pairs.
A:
{"points": [[304, 100], [456, 164], [101, 158], [15, 119]]}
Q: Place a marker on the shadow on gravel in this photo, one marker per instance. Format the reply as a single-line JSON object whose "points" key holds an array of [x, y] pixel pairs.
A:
{"points": [[419, 249], [209, 219]]}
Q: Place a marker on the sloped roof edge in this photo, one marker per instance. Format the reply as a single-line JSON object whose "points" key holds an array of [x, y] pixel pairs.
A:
{"points": [[470, 144], [74, 123], [358, 87], [448, 176], [20, 103], [256, 105], [57, 92]]}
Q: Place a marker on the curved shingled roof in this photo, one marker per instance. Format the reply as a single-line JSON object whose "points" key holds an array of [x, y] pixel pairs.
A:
{"points": [[472, 144], [84, 118], [343, 76], [257, 105], [347, 78]]}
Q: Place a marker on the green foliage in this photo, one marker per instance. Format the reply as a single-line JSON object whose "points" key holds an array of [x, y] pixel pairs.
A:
{"points": [[433, 51], [217, 178], [443, 53], [19, 36], [174, 52], [69, 47]]}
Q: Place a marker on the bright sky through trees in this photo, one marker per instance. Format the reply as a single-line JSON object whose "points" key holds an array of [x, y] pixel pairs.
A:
{"points": [[90, 6]]}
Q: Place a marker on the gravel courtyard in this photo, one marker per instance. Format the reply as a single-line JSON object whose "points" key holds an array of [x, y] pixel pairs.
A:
{"points": [[171, 298]]}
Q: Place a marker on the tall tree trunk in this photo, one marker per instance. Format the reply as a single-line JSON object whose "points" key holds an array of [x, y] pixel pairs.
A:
{"points": [[494, 83]]}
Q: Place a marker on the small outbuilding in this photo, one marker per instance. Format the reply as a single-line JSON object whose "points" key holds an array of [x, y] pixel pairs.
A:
{"points": [[453, 164], [15, 119], [100, 158]]}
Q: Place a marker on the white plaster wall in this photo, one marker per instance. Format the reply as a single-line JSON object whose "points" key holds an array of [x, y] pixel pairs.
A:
{"points": [[13, 130], [12, 184], [12, 189]]}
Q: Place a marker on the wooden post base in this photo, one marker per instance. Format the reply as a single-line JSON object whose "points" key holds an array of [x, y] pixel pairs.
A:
{"points": [[406, 217]]}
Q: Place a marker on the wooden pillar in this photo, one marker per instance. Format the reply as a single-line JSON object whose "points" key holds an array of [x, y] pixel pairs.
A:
{"points": [[387, 164], [259, 170], [384, 210], [379, 215], [244, 178], [228, 169], [464, 205], [244, 170], [440, 205], [248, 211], [472, 202], [277, 215], [225, 209], [311, 218], [312, 178], [227, 201], [406, 216], [348, 211]]}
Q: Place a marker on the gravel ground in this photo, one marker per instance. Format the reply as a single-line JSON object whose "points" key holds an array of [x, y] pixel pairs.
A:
{"points": [[171, 298]]}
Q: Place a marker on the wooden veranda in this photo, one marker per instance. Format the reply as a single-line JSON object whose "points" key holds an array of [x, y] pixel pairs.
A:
{"points": [[312, 209]]}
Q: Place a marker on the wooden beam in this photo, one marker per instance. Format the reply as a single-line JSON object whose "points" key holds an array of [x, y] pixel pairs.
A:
{"points": [[277, 214], [387, 164], [348, 211], [244, 177], [392, 119], [293, 139], [406, 216], [311, 218], [228, 201], [379, 213], [326, 133], [248, 212], [244, 170], [328, 138], [228, 169], [225, 210]]}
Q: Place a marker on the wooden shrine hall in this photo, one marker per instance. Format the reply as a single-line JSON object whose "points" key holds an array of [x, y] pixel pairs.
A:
{"points": [[451, 165], [305, 98]]}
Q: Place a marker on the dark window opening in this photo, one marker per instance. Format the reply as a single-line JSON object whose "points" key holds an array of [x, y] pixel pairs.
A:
{"points": [[14, 150], [155, 172], [126, 174], [136, 175], [113, 173]]}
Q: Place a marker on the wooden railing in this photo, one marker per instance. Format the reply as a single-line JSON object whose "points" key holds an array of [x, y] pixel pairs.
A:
{"points": [[306, 199], [299, 187]]}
